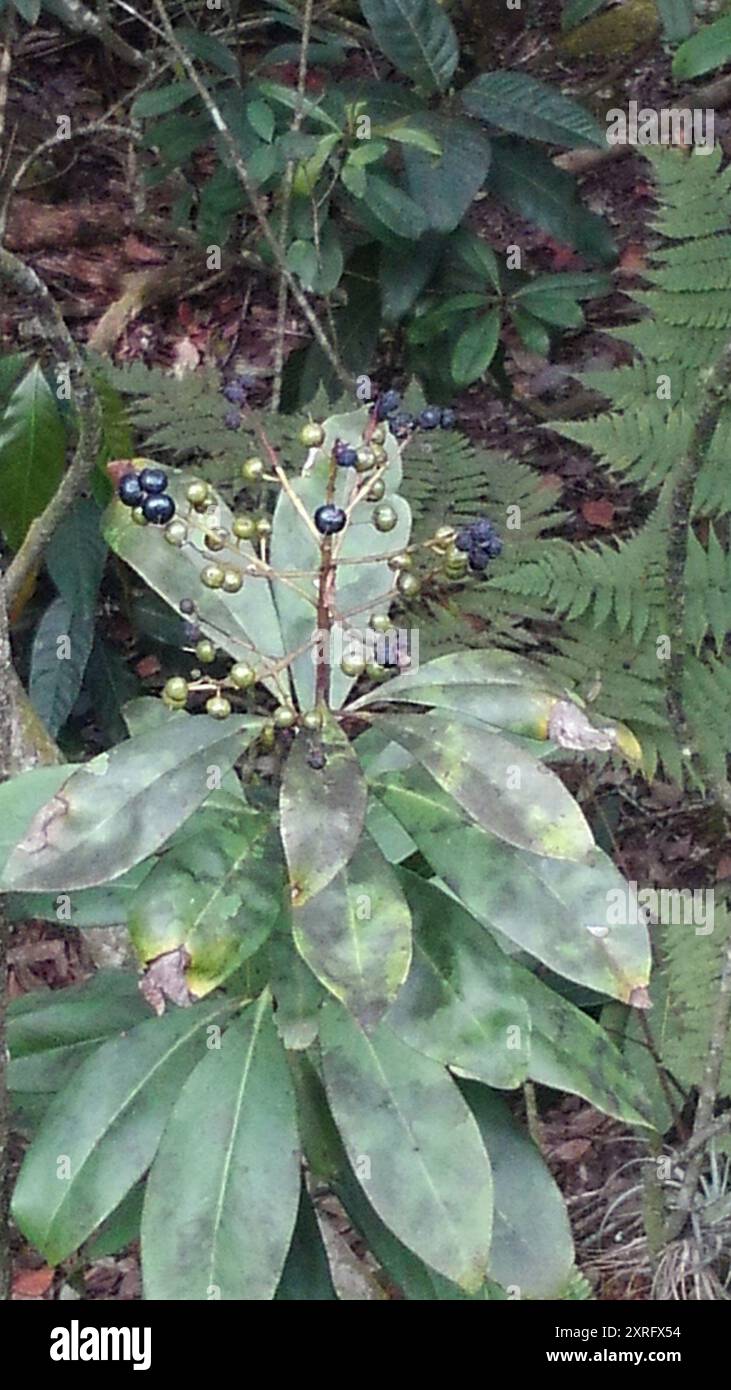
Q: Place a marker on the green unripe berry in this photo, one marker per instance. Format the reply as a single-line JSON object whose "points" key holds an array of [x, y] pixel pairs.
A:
{"points": [[380, 457], [215, 540], [264, 527], [366, 460], [312, 435], [138, 516], [409, 585], [312, 720], [176, 690], [266, 737], [380, 622], [244, 527], [376, 490], [444, 535], [252, 471], [284, 717], [384, 517], [218, 707], [212, 576], [379, 435], [374, 671], [352, 664], [205, 651], [176, 532], [197, 493], [232, 580], [402, 561], [242, 675]]}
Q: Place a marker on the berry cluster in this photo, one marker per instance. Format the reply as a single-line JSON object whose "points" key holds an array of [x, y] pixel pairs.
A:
{"points": [[401, 422], [236, 393], [146, 491], [481, 542]]}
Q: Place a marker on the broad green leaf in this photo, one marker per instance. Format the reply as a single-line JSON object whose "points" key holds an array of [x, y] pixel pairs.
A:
{"points": [[477, 255], [48, 1042], [106, 906], [355, 935], [321, 811], [76, 557], [297, 993], [445, 187], [302, 261], [260, 116], [417, 36], [119, 1229], [527, 180], [426, 1172], [238, 622], [289, 97], [208, 49], [403, 276], [522, 104], [101, 1132], [389, 204], [32, 454], [568, 915], [533, 334], [223, 1193], [704, 51], [331, 261], [306, 1273], [60, 651], [570, 1052], [500, 785], [29, 10], [576, 10], [21, 798], [532, 1249], [475, 348], [496, 686], [413, 135], [110, 684], [678, 19], [162, 100], [556, 309], [445, 316], [115, 810], [11, 366], [460, 1004], [218, 895]]}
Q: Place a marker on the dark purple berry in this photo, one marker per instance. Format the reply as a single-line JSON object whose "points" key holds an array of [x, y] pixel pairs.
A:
{"points": [[431, 418], [463, 539], [192, 633], [478, 560], [401, 424], [387, 404], [154, 481], [235, 393], [129, 490], [232, 419], [187, 605], [329, 519], [158, 509], [345, 455], [449, 419]]}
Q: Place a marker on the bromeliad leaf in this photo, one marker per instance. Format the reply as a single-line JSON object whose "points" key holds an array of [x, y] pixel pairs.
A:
{"points": [[107, 1123], [322, 812], [223, 1192], [578, 918], [501, 786], [461, 1004], [356, 935], [428, 1174], [115, 810]]}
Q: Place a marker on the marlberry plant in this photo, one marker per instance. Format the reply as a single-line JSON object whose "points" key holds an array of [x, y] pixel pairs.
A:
{"points": [[360, 897]]}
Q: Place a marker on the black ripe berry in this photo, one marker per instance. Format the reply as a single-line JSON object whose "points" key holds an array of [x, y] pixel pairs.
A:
{"points": [[430, 418], [481, 542], [235, 393], [345, 455], [387, 404], [449, 419], [187, 605], [154, 481], [158, 509], [129, 490], [232, 419], [329, 519], [401, 424]]}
